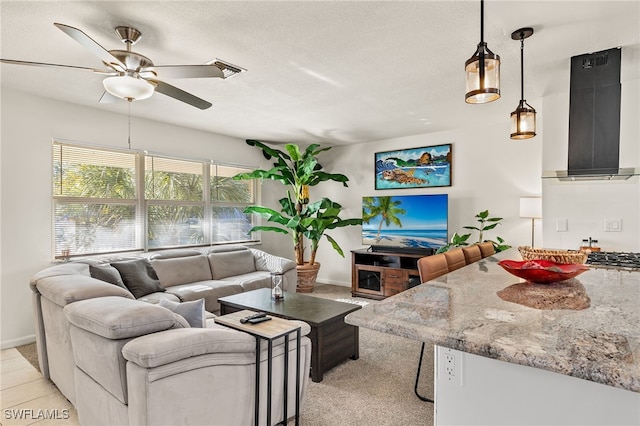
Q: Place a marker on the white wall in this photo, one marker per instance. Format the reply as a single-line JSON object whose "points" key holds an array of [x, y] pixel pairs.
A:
{"points": [[490, 171], [28, 126], [585, 205]]}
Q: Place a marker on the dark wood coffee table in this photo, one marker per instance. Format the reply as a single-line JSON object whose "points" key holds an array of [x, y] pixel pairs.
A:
{"points": [[332, 340]]}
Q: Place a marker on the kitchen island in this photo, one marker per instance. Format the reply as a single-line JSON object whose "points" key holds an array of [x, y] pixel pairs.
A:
{"points": [[572, 359]]}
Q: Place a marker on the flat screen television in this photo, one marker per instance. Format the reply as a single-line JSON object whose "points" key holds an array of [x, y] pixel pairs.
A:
{"points": [[409, 223]]}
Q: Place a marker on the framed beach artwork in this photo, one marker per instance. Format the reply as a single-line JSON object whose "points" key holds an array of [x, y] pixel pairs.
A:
{"points": [[425, 167]]}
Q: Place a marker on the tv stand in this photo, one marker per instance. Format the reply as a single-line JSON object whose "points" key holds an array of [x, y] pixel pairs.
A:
{"points": [[380, 274], [403, 250]]}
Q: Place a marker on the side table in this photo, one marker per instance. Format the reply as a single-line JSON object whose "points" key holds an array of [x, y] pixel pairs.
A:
{"points": [[269, 331]]}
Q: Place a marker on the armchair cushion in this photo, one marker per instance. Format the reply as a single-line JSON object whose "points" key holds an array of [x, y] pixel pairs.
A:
{"points": [[158, 349], [139, 277], [119, 318], [192, 311]]}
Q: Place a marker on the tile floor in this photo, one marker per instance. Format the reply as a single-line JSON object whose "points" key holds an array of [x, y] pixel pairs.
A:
{"points": [[27, 398]]}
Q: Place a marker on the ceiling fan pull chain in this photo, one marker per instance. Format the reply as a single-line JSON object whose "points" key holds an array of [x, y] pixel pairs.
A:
{"points": [[129, 130]]}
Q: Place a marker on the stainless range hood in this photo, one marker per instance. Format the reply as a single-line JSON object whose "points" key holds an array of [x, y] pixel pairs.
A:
{"points": [[594, 119], [619, 174]]}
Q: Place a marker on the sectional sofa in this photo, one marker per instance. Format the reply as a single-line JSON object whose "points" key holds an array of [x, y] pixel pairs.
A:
{"points": [[89, 311]]}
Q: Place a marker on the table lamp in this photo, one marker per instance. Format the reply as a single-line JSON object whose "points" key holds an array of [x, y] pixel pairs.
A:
{"points": [[531, 208]]}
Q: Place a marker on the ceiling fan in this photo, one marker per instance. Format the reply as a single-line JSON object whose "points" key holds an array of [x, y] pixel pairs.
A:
{"points": [[133, 76]]}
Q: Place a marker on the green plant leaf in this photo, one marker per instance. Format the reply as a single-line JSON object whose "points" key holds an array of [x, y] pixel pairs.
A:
{"points": [[335, 245], [488, 227], [294, 152], [267, 228], [268, 151]]}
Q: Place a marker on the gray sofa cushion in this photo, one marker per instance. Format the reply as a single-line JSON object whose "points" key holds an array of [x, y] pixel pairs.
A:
{"points": [[228, 264], [192, 311], [182, 270], [119, 318], [65, 289], [107, 273], [157, 297], [252, 280], [268, 262], [139, 277], [210, 291], [159, 349]]}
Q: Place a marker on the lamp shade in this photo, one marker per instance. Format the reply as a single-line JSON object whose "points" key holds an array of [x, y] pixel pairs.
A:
{"points": [[523, 121], [482, 72], [128, 87], [531, 207]]}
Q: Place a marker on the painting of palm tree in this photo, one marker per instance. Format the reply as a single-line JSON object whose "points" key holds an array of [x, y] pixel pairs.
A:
{"points": [[386, 208], [409, 221]]}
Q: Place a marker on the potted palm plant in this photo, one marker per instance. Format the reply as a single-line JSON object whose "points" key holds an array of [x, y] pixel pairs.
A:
{"points": [[299, 217]]}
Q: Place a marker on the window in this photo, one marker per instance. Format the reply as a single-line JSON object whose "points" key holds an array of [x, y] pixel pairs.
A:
{"points": [[98, 209]]}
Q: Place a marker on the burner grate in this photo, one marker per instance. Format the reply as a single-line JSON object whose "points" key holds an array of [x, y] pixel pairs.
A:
{"points": [[614, 260]]}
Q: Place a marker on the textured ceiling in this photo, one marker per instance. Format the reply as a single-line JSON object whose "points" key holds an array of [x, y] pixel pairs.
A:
{"points": [[334, 72]]}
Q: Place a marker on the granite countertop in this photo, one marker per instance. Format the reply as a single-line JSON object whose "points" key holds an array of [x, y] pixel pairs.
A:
{"points": [[596, 338]]}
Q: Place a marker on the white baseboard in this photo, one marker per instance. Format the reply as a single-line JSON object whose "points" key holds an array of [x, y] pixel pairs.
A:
{"points": [[7, 344], [340, 283]]}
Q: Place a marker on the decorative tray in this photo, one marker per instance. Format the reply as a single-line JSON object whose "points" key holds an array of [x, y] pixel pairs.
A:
{"points": [[542, 271]]}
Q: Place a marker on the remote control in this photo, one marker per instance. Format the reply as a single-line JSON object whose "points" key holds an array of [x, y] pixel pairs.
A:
{"points": [[254, 316], [258, 320]]}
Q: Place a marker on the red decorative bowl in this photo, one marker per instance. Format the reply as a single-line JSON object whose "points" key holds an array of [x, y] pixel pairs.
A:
{"points": [[542, 271]]}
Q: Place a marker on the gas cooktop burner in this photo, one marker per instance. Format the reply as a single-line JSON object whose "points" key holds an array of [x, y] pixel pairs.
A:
{"points": [[614, 260]]}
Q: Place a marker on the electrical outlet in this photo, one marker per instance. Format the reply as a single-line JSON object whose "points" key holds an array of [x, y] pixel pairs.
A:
{"points": [[450, 366]]}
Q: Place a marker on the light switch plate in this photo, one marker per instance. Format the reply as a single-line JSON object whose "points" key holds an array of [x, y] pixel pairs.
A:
{"points": [[613, 225], [561, 225]]}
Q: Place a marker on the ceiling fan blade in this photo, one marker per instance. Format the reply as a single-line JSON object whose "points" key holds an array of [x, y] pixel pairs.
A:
{"points": [[43, 64], [93, 46], [185, 71], [179, 94]]}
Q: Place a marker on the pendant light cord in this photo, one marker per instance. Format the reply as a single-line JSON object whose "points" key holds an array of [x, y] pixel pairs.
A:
{"points": [[522, 66], [481, 21]]}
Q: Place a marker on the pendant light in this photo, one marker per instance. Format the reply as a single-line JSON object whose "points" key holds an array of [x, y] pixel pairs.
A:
{"points": [[482, 71], [523, 119]]}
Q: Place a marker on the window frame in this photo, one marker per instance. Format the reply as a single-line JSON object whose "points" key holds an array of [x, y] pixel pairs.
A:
{"points": [[141, 204]]}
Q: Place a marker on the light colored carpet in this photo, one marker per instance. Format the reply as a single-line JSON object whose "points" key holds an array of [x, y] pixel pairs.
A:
{"points": [[374, 390]]}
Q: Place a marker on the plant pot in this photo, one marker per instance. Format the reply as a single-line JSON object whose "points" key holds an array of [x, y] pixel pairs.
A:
{"points": [[307, 275]]}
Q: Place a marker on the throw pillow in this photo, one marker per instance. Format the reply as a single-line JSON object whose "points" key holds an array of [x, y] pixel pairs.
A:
{"points": [[192, 311], [139, 277], [107, 273]]}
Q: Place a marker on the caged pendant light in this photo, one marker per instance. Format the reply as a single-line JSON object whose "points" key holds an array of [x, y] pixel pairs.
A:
{"points": [[482, 71], [523, 119]]}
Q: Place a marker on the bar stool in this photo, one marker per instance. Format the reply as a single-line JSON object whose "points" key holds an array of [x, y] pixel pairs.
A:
{"points": [[486, 249], [471, 254], [455, 259], [431, 267]]}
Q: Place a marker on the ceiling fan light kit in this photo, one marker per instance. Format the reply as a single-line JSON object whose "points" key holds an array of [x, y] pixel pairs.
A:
{"points": [[523, 119], [128, 86], [133, 76], [482, 71]]}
